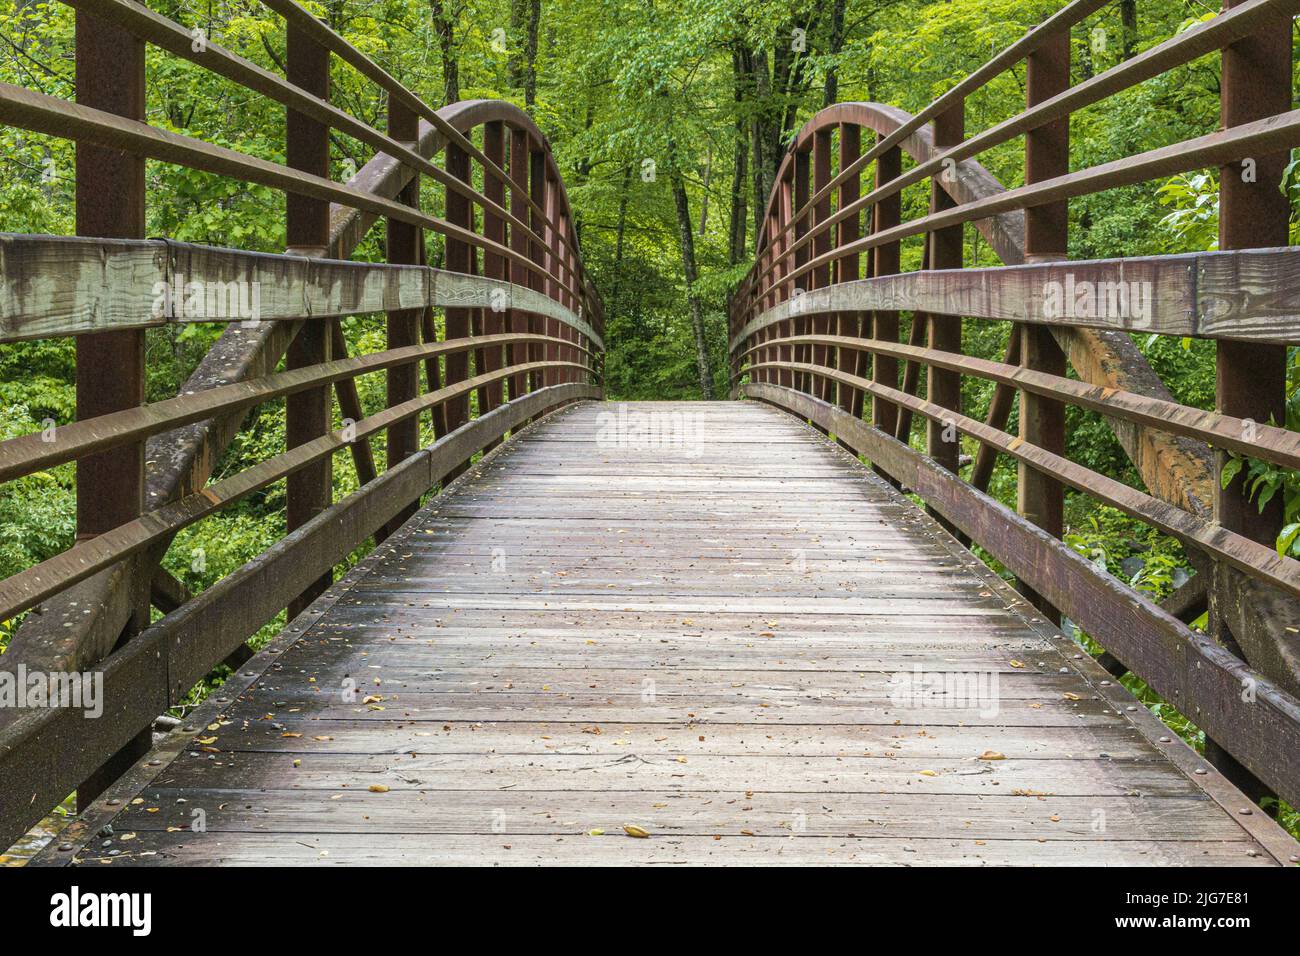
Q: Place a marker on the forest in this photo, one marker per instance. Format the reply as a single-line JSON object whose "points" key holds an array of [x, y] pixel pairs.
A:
{"points": [[669, 122]]}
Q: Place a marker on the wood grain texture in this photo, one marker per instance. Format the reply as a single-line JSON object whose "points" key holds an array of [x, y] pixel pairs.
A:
{"points": [[54, 286], [718, 633], [1249, 295]]}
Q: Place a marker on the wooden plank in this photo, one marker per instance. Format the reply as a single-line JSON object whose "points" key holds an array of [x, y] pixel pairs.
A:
{"points": [[45, 753], [494, 708], [1200, 678], [613, 849]]}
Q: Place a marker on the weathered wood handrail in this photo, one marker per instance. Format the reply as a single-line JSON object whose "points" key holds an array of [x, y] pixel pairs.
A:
{"points": [[814, 330], [522, 336]]}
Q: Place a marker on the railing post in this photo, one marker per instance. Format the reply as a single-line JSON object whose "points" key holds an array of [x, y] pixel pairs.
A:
{"points": [[944, 387], [495, 266], [307, 413], [846, 267], [799, 199], [403, 246], [1039, 497], [459, 258], [1250, 378], [786, 293], [764, 299], [110, 195], [886, 214], [519, 242], [820, 277], [554, 353], [540, 251]]}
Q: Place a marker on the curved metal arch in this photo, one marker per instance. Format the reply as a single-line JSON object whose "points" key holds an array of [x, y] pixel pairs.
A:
{"points": [[1005, 232]]}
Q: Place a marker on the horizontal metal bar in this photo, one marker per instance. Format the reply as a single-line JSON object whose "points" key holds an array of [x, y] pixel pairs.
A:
{"points": [[176, 39], [1266, 442], [29, 587], [1255, 559], [1274, 134], [1063, 19], [39, 112], [27, 453], [1205, 37], [293, 13]]}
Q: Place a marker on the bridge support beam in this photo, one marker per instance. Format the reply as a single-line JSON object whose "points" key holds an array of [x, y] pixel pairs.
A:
{"points": [[110, 196], [846, 268], [537, 191], [1250, 379], [494, 266], [403, 242], [822, 276], [307, 232], [885, 261], [1040, 498], [456, 322], [519, 242], [943, 442]]}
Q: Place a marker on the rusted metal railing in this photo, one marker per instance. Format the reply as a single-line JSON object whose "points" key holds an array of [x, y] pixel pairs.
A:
{"points": [[521, 336], [1239, 681]]}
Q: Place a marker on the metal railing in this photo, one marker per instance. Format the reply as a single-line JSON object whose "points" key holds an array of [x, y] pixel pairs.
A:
{"points": [[521, 336], [815, 329]]}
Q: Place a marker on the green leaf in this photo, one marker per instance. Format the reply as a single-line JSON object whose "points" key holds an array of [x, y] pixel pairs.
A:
{"points": [[1230, 470], [1287, 538]]}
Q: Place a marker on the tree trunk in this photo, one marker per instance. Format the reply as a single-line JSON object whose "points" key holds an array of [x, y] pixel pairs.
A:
{"points": [[616, 285], [530, 54], [704, 196], [832, 89], [1128, 18], [740, 168], [443, 23], [692, 294], [765, 160]]}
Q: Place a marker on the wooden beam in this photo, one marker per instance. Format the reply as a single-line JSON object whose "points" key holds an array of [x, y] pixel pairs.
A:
{"points": [[1247, 295], [403, 326], [1250, 378]]}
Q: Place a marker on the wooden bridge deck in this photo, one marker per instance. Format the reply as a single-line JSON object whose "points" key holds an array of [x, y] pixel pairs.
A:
{"points": [[714, 642]]}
